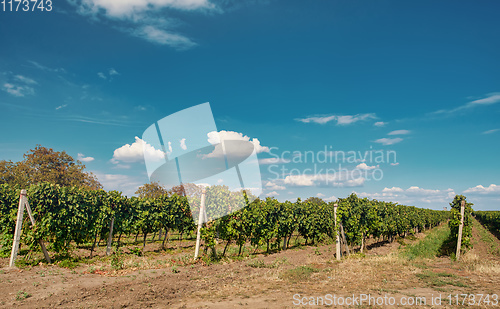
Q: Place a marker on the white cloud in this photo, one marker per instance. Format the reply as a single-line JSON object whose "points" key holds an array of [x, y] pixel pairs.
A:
{"points": [[320, 195], [25, 80], [113, 72], [492, 189], [389, 141], [83, 158], [380, 124], [215, 138], [399, 132], [273, 186], [18, 90], [364, 166], [101, 75], [61, 106], [273, 193], [341, 119], [491, 131], [135, 152], [183, 144]]}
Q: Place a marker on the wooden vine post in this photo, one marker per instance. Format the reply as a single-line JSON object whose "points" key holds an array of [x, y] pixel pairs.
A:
{"points": [[201, 217], [110, 237], [460, 228], [337, 238], [23, 202]]}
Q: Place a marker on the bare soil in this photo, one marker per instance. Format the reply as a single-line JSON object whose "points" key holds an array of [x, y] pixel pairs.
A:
{"points": [[256, 281]]}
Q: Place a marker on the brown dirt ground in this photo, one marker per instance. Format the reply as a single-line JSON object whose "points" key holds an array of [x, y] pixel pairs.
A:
{"points": [[270, 283]]}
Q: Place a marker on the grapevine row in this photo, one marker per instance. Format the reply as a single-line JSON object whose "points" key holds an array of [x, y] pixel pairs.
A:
{"points": [[69, 216]]}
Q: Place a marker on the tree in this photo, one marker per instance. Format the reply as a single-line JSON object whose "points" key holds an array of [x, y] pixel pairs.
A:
{"points": [[46, 165], [151, 190]]}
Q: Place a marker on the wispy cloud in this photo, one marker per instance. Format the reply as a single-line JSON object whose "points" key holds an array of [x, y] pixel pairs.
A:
{"points": [[45, 68], [399, 132], [109, 76], [18, 90], [25, 80], [61, 106], [489, 99], [389, 141], [148, 19], [18, 85], [163, 37], [340, 119], [380, 124], [491, 131]]}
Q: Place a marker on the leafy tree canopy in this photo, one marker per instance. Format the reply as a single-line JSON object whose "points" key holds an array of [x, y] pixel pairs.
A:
{"points": [[46, 165]]}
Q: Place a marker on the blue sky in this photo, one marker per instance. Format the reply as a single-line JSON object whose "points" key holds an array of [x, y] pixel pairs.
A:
{"points": [[418, 78]]}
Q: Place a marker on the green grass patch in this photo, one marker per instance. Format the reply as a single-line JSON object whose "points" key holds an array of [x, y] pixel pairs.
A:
{"points": [[300, 273], [488, 238], [440, 279], [430, 246]]}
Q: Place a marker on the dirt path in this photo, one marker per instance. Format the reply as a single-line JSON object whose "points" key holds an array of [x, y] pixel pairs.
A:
{"points": [[260, 282]]}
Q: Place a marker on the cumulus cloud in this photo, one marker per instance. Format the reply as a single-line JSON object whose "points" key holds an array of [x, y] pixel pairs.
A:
{"points": [[83, 158], [324, 180], [380, 124], [134, 152], [273, 193], [215, 138], [320, 195], [124, 183], [331, 198], [389, 141], [412, 196], [364, 166], [492, 189], [399, 132], [183, 144], [273, 186], [340, 119]]}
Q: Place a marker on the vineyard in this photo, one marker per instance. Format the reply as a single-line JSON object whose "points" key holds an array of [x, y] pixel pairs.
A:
{"points": [[69, 216], [268, 244], [491, 219]]}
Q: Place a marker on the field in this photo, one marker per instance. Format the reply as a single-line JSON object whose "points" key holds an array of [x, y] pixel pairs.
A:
{"points": [[408, 267]]}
